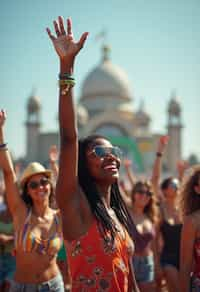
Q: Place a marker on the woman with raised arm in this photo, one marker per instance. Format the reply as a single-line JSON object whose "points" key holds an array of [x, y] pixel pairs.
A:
{"points": [[38, 230], [170, 221], [190, 235], [96, 223]]}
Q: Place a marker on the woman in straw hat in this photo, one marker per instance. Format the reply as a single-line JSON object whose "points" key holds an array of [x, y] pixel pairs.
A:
{"points": [[38, 234], [96, 222]]}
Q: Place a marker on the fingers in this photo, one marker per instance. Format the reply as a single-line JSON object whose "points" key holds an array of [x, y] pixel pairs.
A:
{"points": [[69, 27], [2, 115], [50, 34], [57, 30], [61, 25], [82, 40]]}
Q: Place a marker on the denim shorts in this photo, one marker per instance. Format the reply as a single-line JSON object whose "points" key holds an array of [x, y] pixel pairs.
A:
{"points": [[55, 285], [144, 268], [7, 267]]}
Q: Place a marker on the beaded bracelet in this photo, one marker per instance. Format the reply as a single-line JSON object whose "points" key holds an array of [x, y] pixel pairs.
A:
{"points": [[65, 76], [3, 147], [66, 82]]}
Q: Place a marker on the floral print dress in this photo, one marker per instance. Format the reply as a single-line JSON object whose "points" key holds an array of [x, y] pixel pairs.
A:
{"points": [[98, 265]]}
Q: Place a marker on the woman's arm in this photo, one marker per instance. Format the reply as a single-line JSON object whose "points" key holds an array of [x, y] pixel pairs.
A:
{"points": [[130, 175], [182, 165], [15, 203], [186, 253], [156, 173], [53, 158], [67, 192]]}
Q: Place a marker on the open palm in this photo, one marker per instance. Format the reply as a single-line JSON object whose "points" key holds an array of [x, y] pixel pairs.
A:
{"points": [[63, 42]]}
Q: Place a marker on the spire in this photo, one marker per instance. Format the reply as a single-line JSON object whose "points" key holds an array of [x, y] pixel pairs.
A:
{"points": [[105, 53], [105, 48], [174, 107]]}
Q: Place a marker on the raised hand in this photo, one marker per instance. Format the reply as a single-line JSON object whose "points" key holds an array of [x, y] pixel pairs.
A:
{"points": [[53, 153], [162, 143], [63, 42], [127, 163], [2, 118]]}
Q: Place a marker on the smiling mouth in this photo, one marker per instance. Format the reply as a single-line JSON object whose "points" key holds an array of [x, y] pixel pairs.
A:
{"points": [[111, 167]]}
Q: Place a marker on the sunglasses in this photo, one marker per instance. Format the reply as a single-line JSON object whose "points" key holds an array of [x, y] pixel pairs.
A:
{"points": [[35, 184], [102, 151], [174, 184], [143, 192]]}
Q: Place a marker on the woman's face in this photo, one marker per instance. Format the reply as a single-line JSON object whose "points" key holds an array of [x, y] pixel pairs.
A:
{"points": [[39, 188], [141, 197], [103, 161], [172, 189]]}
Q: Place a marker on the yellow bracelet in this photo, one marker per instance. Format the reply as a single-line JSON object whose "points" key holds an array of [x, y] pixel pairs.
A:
{"points": [[65, 89]]}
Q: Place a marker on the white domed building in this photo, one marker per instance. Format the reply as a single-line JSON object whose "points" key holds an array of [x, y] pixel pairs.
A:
{"points": [[106, 107]]}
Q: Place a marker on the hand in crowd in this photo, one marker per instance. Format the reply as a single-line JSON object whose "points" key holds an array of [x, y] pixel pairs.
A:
{"points": [[63, 42], [127, 163], [53, 153], [2, 118], [162, 143]]}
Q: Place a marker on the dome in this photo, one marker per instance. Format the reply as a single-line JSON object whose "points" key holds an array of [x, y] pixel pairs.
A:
{"points": [[107, 80], [33, 105], [126, 107]]}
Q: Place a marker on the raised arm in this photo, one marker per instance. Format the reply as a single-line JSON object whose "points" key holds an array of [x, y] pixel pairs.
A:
{"points": [[53, 160], [182, 165], [128, 169], [15, 203], [67, 195], [156, 173]]}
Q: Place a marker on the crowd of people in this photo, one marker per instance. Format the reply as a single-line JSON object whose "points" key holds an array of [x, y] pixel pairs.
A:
{"points": [[75, 226]]}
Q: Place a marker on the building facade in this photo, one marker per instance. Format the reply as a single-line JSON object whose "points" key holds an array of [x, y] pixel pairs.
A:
{"points": [[106, 107]]}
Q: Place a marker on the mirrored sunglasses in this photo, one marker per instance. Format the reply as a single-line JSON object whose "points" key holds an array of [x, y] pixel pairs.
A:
{"points": [[35, 184], [102, 151], [174, 184]]}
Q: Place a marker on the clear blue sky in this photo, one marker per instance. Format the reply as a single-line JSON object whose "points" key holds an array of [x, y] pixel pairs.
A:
{"points": [[157, 42]]}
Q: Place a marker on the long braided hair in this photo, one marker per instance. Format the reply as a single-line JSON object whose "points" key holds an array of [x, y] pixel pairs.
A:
{"points": [[89, 188]]}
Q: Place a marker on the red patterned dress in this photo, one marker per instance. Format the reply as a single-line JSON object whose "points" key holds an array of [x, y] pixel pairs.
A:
{"points": [[98, 265]]}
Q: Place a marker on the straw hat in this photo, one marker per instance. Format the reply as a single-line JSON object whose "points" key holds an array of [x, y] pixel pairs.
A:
{"points": [[32, 169]]}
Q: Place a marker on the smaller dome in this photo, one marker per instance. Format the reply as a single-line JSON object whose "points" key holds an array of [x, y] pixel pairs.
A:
{"points": [[33, 104], [82, 115], [141, 116]]}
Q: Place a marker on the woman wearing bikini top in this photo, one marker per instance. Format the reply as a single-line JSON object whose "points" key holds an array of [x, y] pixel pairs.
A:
{"points": [[38, 235]]}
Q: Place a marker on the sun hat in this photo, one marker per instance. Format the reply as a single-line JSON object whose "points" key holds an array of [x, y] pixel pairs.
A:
{"points": [[34, 168]]}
